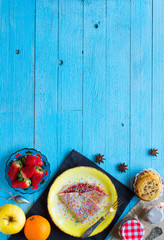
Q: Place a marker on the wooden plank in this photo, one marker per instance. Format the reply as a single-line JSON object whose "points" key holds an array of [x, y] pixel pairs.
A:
{"points": [[17, 80], [141, 52], [118, 87], [6, 133], [70, 135], [94, 78], [46, 72], [158, 85], [70, 77], [70, 51], [17, 96]]}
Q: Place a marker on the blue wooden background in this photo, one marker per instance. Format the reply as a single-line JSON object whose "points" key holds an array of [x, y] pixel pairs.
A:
{"points": [[108, 95]]}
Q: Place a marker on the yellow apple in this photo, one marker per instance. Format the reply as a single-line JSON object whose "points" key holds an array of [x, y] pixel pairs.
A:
{"points": [[12, 219]]}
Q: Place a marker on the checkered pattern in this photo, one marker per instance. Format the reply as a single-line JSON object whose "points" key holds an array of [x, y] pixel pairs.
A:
{"points": [[132, 230]]}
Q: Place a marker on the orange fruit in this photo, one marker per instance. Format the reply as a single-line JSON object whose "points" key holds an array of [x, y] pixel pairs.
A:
{"points": [[37, 228]]}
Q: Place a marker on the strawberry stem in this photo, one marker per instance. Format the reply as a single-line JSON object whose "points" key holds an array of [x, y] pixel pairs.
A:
{"points": [[20, 179], [39, 168]]}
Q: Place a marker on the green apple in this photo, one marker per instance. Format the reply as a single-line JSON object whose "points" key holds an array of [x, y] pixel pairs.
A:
{"points": [[12, 219]]}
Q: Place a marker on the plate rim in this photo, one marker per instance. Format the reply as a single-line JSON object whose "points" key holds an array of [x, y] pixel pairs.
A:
{"points": [[48, 196]]}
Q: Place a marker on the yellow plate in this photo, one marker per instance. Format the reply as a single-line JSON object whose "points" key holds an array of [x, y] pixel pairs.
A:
{"points": [[60, 214]]}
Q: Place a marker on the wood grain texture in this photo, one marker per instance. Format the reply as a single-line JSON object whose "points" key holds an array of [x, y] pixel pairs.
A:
{"points": [[118, 85], [6, 132], [17, 82], [46, 81], [70, 77], [107, 95], [118, 88], [141, 62], [158, 85], [94, 78]]}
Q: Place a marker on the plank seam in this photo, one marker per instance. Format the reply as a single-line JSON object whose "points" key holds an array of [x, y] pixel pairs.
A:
{"points": [[106, 78], [57, 124], [130, 110], [82, 74], [34, 69], [152, 80]]}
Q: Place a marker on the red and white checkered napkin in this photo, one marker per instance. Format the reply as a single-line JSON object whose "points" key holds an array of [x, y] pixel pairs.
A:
{"points": [[132, 230]]}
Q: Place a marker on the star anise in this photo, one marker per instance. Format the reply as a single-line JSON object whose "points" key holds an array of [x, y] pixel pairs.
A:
{"points": [[99, 158], [153, 152], [122, 167]]}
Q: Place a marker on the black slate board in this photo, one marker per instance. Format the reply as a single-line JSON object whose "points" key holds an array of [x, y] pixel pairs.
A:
{"points": [[40, 206]]}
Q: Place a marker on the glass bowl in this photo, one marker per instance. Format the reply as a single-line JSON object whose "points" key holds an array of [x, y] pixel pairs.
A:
{"points": [[46, 166]]}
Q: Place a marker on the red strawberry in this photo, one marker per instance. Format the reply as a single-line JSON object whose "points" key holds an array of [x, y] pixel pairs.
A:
{"points": [[21, 184], [27, 171], [14, 169], [37, 177], [33, 160]]}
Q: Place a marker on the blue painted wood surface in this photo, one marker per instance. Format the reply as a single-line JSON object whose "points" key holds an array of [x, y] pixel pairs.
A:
{"points": [[106, 97]]}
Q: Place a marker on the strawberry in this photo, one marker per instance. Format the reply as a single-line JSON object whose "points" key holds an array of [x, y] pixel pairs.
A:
{"points": [[14, 169], [33, 160], [27, 171], [37, 177], [21, 184]]}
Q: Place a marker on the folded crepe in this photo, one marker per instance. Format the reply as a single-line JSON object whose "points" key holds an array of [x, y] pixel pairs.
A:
{"points": [[96, 196], [85, 204]]}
